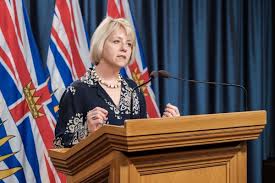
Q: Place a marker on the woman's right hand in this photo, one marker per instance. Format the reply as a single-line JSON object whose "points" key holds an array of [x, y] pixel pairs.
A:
{"points": [[96, 118]]}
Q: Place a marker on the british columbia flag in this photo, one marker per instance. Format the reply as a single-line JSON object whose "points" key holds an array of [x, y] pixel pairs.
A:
{"points": [[137, 70], [68, 56], [26, 111]]}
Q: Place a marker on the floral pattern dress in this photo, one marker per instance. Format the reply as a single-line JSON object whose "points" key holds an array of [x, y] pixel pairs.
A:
{"points": [[85, 94]]}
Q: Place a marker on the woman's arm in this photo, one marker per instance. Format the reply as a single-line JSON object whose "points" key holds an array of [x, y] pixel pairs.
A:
{"points": [[71, 125]]}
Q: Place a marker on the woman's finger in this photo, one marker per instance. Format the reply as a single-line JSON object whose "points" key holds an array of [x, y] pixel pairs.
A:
{"points": [[94, 125], [104, 111], [173, 107], [167, 114], [171, 111], [97, 114]]}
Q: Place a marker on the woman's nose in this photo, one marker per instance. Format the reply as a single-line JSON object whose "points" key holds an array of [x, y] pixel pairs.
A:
{"points": [[124, 47]]}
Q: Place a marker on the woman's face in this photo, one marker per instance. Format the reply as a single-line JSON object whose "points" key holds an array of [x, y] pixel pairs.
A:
{"points": [[117, 49]]}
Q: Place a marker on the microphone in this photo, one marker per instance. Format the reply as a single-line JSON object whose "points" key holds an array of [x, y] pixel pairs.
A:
{"points": [[165, 74], [153, 74]]}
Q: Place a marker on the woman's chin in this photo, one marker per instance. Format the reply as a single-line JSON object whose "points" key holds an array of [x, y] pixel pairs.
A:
{"points": [[121, 63]]}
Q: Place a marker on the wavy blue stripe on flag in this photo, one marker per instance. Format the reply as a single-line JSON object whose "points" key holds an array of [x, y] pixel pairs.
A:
{"points": [[10, 91], [68, 55], [40, 75], [27, 137], [61, 65]]}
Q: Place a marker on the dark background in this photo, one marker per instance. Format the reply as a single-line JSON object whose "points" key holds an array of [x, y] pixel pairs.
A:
{"points": [[210, 40]]}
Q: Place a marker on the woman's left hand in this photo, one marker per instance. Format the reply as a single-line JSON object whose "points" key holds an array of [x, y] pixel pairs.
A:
{"points": [[170, 111]]}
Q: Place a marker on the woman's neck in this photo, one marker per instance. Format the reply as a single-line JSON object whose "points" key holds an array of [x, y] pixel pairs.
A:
{"points": [[106, 72]]}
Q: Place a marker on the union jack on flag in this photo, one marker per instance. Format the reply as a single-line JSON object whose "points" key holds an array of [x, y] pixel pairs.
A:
{"points": [[137, 70], [68, 56], [26, 111]]}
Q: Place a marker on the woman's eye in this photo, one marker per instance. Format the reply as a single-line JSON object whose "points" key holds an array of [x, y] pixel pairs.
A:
{"points": [[129, 44], [116, 41]]}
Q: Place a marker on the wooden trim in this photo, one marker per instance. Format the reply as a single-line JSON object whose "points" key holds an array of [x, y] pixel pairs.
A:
{"points": [[191, 123], [184, 159]]}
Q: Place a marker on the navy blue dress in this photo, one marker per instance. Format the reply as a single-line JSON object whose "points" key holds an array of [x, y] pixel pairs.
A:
{"points": [[85, 94]]}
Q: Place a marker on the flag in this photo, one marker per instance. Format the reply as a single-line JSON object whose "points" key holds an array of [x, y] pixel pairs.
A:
{"points": [[27, 119], [137, 70], [68, 55]]}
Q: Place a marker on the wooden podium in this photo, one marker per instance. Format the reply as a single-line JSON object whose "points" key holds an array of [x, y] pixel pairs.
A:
{"points": [[197, 149]]}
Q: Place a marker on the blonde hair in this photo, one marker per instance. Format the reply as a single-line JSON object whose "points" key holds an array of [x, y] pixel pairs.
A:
{"points": [[103, 31]]}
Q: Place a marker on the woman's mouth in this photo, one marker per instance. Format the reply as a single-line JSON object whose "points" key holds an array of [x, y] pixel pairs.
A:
{"points": [[122, 56]]}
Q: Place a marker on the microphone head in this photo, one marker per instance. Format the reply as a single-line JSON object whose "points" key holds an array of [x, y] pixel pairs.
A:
{"points": [[154, 74], [163, 73]]}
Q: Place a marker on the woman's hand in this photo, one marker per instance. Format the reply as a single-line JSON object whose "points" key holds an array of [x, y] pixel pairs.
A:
{"points": [[170, 111], [96, 118]]}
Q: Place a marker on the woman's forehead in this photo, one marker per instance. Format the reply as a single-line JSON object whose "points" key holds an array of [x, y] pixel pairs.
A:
{"points": [[120, 33]]}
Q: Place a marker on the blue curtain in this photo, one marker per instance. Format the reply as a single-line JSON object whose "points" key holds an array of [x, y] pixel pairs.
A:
{"points": [[209, 40]]}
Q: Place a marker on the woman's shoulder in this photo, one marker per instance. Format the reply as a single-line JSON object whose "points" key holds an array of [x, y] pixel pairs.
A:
{"points": [[73, 88], [77, 84], [87, 80], [85, 83]]}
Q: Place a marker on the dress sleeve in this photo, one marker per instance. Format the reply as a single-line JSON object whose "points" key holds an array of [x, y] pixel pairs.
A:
{"points": [[71, 125]]}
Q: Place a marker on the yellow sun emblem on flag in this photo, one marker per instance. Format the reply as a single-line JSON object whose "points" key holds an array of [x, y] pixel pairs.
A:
{"points": [[31, 99], [137, 77], [7, 172]]}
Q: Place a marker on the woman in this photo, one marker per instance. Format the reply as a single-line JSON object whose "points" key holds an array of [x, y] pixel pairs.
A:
{"points": [[102, 95]]}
